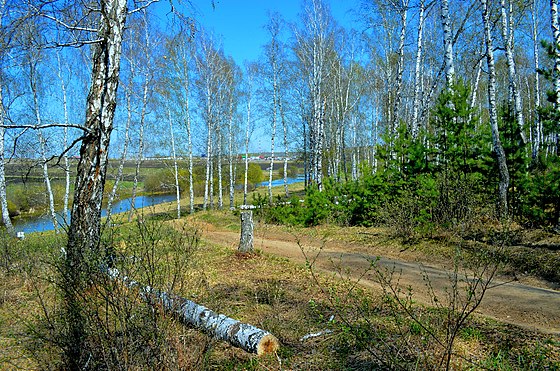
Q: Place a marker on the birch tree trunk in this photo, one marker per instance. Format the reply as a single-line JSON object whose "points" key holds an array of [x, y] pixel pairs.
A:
{"points": [[417, 72], [189, 139], [148, 75], [85, 225], [118, 176], [47, 179], [313, 44], [556, 75], [273, 56], [272, 137], [175, 167], [403, 11], [474, 91], [220, 178], [42, 142], [3, 197], [208, 166], [286, 148], [498, 148], [241, 335], [140, 154], [447, 44], [556, 79], [230, 155], [249, 89], [247, 126], [507, 35], [187, 110], [181, 50], [354, 149], [65, 141], [246, 240], [537, 125]]}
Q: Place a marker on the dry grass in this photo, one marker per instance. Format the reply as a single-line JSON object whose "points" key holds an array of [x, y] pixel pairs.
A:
{"points": [[282, 297]]}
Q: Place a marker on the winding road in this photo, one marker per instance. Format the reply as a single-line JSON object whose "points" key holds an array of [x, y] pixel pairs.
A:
{"points": [[517, 303]]}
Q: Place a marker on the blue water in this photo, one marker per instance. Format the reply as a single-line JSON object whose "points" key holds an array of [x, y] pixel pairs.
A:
{"points": [[279, 182], [44, 223]]}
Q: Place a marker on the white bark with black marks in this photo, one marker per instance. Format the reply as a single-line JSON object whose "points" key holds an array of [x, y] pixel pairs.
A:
{"points": [[3, 197], [219, 326], [403, 12], [118, 176], [241, 335], [175, 167], [65, 141], [507, 35], [537, 132], [503, 172], [143, 112], [231, 154], [417, 72], [246, 240], [33, 83], [555, 24], [84, 234], [447, 44]]}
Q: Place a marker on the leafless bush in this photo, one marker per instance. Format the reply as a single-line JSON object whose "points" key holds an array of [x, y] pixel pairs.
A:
{"points": [[122, 330], [393, 331]]}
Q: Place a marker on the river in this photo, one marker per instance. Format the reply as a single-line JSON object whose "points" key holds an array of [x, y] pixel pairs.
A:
{"points": [[44, 223], [280, 182]]}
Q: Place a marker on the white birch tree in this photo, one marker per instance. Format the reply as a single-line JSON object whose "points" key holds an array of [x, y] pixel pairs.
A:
{"points": [[418, 70], [33, 59], [447, 44], [66, 163], [508, 40], [537, 133], [312, 45], [503, 172], [175, 166], [249, 82], [147, 69], [4, 50]]}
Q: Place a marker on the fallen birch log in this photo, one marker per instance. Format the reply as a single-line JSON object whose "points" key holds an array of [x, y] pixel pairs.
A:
{"points": [[241, 335]]}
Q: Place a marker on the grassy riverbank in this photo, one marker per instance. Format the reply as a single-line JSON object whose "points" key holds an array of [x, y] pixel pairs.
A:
{"points": [[26, 187]]}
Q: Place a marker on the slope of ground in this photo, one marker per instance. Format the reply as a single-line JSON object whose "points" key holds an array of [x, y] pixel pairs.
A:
{"points": [[524, 301]]}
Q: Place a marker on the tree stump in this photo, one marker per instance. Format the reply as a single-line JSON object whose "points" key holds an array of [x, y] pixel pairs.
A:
{"points": [[246, 241]]}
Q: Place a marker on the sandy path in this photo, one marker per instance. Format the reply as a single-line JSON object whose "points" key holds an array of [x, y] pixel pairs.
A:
{"points": [[511, 302]]}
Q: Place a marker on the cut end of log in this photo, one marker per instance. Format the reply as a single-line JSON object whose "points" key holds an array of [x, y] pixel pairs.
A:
{"points": [[268, 344]]}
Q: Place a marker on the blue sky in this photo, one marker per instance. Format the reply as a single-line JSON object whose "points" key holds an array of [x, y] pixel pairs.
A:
{"points": [[241, 22]]}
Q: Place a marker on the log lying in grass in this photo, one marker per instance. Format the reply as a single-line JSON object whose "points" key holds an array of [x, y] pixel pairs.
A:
{"points": [[241, 335]]}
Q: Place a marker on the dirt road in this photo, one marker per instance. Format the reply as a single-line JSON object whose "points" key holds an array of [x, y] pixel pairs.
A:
{"points": [[511, 302]]}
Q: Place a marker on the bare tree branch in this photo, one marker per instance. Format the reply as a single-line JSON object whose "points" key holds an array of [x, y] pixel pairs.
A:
{"points": [[46, 126], [143, 7], [67, 26]]}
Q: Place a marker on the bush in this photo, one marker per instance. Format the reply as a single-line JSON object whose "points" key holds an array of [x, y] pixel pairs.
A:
{"points": [[254, 174], [163, 180], [122, 327]]}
